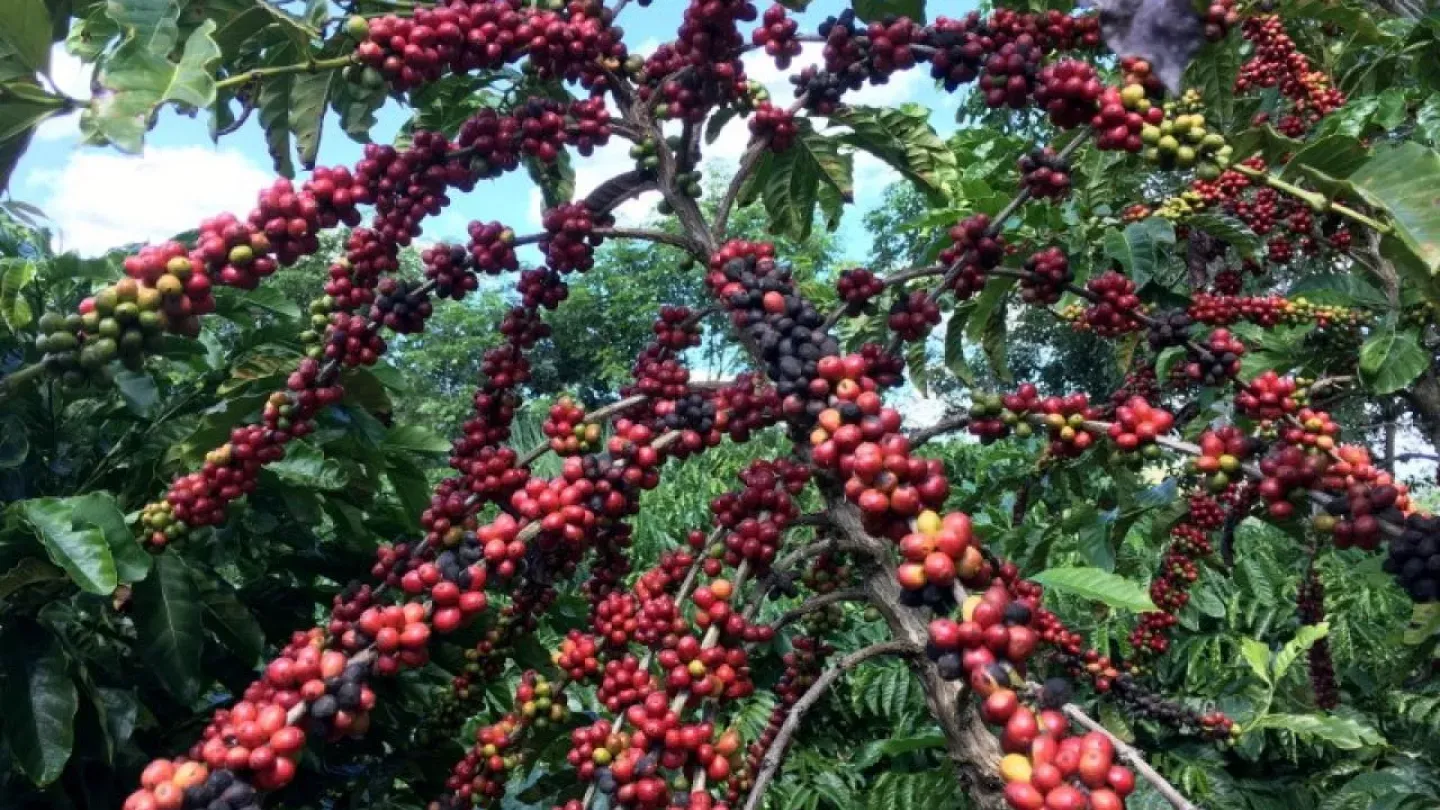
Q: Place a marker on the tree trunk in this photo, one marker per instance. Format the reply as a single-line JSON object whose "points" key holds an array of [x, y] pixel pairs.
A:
{"points": [[972, 748]]}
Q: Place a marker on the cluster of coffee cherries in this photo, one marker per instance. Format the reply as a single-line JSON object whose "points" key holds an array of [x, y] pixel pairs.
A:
{"points": [[976, 250], [1184, 141], [859, 438], [1046, 275], [1310, 607], [1269, 310], [1169, 589], [761, 298], [1138, 423], [121, 321], [1222, 452], [568, 431], [1277, 62], [1045, 174], [1113, 305], [754, 517], [1217, 360], [184, 785], [857, 287], [702, 67], [774, 125], [993, 416], [777, 35], [1414, 558], [913, 315]]}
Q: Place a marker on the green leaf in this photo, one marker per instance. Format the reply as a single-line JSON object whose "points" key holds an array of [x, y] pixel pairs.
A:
{"points": [[23, 105], [1335, 156], [83, 553], [1404, 179], [1257, 655], [1391, 360], [1097, 586], [141, 77], [167, 617], [1340, 732], [790, 183], [1304, 639], [1424, 623], [39, 700], [139, 392], [1213, 72], [29, 571], [416, 438], [1427, 120], [955, 345], [1092, 535], [274, 108], [1343, 289], [1391, 112], [305, 465], [14, 309], [1166, 360], [873, 10], [556, 180], [917, 364], [356, 108], [918, 790], [99, 509], [229, 301], [308, 97], [1141, 248], [903, 138], [1228, 229], [228, 618], [27, 31]]}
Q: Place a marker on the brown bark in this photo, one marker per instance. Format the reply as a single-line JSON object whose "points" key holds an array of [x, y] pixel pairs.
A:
{"points": [[972, 748]]}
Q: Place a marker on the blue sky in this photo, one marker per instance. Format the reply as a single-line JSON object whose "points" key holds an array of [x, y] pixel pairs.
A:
{"points": [[99, 197]]}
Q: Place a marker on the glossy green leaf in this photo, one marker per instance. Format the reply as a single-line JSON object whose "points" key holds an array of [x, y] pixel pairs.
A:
{"points": [[1344, 289], [139, 392], [82, 551], [39, 700], [99, 509], [23, 106], [903, 138], [1141, 248], [228, 618], [416, 438], [1227, 229], [141, 77], [168, 625], [1390, 360], [26, 29], [789, 183], [1097, 586], [273, 108], [1427, 120], [1257, 655], [1305, 638], [1343, 733], [955, 345], [230, 301], [1404, 180], [873, 10], [1335, 156], [15, 276], [305, 465]]}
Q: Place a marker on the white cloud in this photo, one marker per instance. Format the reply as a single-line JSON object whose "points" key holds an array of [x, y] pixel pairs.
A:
{"points": [[72, 77], [606, 162], [102, 199]]}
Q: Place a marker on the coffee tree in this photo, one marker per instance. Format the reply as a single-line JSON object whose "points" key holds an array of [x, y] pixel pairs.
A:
{"points": [[1237, 202]]}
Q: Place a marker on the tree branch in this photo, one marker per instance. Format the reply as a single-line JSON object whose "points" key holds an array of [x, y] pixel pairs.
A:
{"points": [[748, 162], [817, 603], [1132, 757], [773, 757]]}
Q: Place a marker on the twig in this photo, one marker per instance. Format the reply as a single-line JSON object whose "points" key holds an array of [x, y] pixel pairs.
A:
{"points": [[770, 764], [817, 603], [947, 425], [308, 66], [677, 240], [1132, 757]]}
